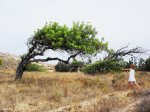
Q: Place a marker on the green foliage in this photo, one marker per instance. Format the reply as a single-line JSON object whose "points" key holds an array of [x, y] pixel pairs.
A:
{"points": [[144, 65], [147, 64], [126, 64], [80, 37], [62, 67], [1, 62], [141, 65], [73, 67], [35, 67], [103, 67]]}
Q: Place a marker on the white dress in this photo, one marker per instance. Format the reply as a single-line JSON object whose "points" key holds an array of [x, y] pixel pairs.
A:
{"points": [[132, 75]]}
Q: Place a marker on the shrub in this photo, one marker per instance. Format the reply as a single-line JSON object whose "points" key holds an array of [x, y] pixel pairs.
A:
{"points": [[147, 64], [62, 67], [73, 67], [35, 67], [103, 67], [1, 62], [141, 65]]}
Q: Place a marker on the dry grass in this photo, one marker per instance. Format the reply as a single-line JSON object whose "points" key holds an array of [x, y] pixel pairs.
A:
{"points": [[38, 92], [144, 106], [47, 91]]}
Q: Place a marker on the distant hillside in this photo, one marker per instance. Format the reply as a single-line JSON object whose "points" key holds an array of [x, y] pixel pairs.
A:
{"points": [[11, 61]]}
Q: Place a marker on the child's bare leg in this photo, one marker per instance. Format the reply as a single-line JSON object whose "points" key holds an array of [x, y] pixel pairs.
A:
{"points": [[130, 85], [137, 85]]}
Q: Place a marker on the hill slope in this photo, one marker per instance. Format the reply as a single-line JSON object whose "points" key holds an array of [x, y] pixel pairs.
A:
{"points": [[10, 61]]}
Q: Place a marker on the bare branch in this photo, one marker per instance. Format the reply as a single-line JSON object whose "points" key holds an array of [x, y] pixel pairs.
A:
{"points": [[50, 59], [124, 52]]}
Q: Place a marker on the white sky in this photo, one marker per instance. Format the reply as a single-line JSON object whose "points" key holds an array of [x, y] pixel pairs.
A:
{"points": [[119, 21]]}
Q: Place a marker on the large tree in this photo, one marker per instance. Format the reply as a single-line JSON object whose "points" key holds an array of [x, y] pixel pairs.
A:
{"points": [[80, 39]]}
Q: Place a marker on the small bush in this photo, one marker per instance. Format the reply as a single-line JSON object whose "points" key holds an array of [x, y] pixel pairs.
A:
{"points": [[35, 67], [73, 67], [1, 62], [62, 67]]}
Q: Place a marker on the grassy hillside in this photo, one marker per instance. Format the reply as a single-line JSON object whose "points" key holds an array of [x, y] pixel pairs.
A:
{"points": [[9, 61]]}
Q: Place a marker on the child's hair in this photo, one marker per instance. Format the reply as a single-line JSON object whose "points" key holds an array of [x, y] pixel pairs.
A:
{"points": [[132, 66]]}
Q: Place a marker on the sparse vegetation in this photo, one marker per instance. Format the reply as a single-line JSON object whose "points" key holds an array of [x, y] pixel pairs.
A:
{"points": [[48, 91]]}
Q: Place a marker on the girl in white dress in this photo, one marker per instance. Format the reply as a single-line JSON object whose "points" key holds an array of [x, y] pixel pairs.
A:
{"points": [[131, 80]]}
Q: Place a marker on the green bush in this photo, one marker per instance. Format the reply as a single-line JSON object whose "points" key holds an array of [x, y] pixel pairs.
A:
{"points": [[103, 67], [141, 65], [1, 62], [73, 67], [62, 67], [35, 67], [147, 64]]}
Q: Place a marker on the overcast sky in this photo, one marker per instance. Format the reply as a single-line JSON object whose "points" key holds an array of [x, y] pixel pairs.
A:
{"points": [[120, 22]]}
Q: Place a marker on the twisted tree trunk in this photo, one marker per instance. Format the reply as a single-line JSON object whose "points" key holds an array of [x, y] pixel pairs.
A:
{"points": [[21, 68], [19, 71]]}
